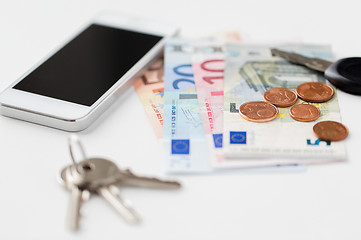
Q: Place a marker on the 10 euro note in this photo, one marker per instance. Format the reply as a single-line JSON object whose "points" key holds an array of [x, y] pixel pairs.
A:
{"points": [[284, 139], [208, 60]]}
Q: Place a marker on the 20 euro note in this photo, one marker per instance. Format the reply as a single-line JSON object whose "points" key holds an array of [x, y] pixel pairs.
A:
{"points": [[150, 89], [208, 60], [283, 139], [184, 145]]}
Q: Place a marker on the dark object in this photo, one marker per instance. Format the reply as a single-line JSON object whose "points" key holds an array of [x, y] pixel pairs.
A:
{"points": [[345, 74]]}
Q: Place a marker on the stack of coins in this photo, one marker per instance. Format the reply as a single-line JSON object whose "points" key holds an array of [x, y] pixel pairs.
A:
{"points": [[314, 92]]}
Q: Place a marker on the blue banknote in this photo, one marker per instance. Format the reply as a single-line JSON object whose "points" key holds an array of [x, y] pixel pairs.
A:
{"points": [[184, 144]]}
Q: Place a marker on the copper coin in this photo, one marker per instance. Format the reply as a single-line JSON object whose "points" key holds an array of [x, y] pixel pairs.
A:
{"points": [[305, 112], [258, 111], [315, 92], [330, 131], [280, 97]]}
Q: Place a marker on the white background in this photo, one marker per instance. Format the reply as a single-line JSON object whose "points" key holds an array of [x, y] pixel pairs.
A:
{"points": [[323, 202]]}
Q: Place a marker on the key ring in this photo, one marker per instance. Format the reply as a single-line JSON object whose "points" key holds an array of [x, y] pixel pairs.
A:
{"points": [[74, 140]]}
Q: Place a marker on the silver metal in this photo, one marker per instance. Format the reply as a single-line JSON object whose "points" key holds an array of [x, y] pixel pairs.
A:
{"points": [[93, 173], [122, 206], [313, 63], [98, 175], [127, 177], [75, 200], [73, 142]]}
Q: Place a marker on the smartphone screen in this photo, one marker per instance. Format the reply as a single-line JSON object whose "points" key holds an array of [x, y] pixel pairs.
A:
{"points": [[84, 69]]}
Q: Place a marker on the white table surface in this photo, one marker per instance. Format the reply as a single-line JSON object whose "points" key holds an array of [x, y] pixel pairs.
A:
{"points": [[323, 202]]}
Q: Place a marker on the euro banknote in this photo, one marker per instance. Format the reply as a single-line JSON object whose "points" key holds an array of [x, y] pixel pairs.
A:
{"points": [[184, 145], [187, 124], [150, 89], [250, 71]]}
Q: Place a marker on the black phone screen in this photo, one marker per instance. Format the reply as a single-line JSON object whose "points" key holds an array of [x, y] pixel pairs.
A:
{"points": [[85, 68]]}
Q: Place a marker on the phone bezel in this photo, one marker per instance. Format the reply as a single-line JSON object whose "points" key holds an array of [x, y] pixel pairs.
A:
{"points": [[68, 111]]}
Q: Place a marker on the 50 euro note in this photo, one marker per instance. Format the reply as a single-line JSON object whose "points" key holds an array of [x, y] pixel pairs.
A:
{"points": [[150, 89], [208, 60], [283, 139]]}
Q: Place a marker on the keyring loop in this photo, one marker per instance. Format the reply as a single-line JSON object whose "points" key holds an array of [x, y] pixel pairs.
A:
{"points": [[74, 140]]}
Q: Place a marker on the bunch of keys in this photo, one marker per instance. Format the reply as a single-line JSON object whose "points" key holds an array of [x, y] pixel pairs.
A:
{"points": [[102, 177]]}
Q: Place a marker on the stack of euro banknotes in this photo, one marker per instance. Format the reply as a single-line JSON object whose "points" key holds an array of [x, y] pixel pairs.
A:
{"points": [[192, 98]]}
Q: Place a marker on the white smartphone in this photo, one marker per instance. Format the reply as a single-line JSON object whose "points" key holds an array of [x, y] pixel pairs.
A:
{"points": [[78, 81]]}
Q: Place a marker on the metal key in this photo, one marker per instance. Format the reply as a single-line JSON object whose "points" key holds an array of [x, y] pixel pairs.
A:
{"points": [[75, 201], [345, 74], [99, 175], [312, 63], [126, 177], [76, 192], [96, 172], [123, 207]]}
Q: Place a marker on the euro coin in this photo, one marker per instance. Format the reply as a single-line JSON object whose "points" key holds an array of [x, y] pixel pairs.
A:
{"points": [[315, 92], [258, 111], [305, 112], [330, 131], [280, 97]]}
